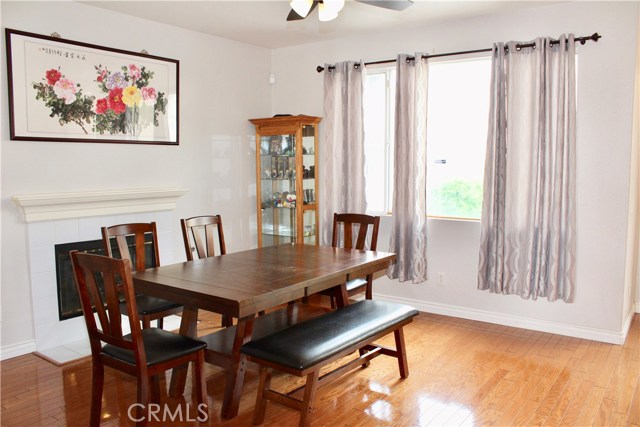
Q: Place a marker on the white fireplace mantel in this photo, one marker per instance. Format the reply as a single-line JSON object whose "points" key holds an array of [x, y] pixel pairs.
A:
{"points": [[55, 206]]}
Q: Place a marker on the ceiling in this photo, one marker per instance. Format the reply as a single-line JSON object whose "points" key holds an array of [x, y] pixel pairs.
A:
{"points": [[263, 23]]}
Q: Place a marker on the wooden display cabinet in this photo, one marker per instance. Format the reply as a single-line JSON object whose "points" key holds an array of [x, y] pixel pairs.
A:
{"points": [[287, 180]]}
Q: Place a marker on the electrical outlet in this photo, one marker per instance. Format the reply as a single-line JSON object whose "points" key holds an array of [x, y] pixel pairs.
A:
{"points": [[442, 278]]}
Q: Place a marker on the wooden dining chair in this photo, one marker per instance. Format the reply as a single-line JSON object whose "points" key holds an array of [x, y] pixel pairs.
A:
{"points": [[138, 242], [199, 232], [102, 283], [350, 231], [199, 236]]}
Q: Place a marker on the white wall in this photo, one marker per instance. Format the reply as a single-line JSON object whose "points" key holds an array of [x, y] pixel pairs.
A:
{"points": [[222, 84], [633, 242], [605, 100]]}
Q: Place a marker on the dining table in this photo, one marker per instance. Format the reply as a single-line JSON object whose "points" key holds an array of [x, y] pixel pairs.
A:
{"points": [[243, 284]]}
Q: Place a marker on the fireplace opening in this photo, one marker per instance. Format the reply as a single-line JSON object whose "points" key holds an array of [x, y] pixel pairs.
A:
{"points": [[68, 298]]}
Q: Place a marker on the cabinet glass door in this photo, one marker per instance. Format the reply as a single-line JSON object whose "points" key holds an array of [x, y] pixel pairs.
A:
{"points": [[278, 189], [309, 187]]}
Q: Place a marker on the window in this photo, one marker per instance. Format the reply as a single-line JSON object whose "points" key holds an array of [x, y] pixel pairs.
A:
{"points": [[379, 117], [456, 137]]}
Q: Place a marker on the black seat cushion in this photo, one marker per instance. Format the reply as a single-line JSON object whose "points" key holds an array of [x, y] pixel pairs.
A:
{"points": [[159, 346], [150, 305], [310, 342]]}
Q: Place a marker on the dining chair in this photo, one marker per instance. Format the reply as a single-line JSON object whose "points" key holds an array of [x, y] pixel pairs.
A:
{"points": [[198, 234], [144, 353], [138, 242], [350, 231]]}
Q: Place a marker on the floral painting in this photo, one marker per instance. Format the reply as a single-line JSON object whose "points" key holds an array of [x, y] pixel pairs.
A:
{"points": [[79, 92]]}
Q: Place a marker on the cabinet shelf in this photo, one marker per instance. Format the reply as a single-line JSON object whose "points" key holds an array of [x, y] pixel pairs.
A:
{"points": [[265, 156], [286, 152]]}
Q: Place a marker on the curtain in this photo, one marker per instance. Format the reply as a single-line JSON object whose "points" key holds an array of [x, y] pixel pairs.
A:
{"points": [[342, 180], [409, 208], [528, 236]]}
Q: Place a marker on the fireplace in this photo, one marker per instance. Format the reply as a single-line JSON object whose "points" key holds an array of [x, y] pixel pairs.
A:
{"points": [[59, 218], [68, 299]]}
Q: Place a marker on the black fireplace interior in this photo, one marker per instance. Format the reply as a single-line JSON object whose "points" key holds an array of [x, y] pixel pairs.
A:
{"points": [[68, 299]]}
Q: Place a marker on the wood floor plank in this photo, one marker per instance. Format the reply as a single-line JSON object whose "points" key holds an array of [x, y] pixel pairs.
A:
{"points": [[552, 397], [627, 391], [604, 414], [590, 406], [634, 409]]}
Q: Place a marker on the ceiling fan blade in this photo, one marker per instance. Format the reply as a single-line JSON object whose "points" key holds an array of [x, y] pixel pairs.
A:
{"points": [[293, 16], [389, 4]]}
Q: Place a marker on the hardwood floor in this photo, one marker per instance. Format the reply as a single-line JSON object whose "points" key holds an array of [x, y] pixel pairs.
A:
{"points": [[461, 373]]}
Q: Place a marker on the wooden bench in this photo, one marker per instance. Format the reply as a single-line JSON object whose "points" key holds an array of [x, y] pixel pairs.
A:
{"points": [[305, 348]]}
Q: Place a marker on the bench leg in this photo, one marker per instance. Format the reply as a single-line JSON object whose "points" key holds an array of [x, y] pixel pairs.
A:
{"points": [[403, 365], [261, 400], [310, 390]]}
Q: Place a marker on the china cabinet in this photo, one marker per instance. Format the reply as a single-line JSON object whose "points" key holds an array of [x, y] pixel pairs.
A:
{"points": [[287, 179]]}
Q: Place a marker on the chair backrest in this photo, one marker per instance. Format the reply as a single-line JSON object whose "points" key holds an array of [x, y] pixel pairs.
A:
{"points": [[354, 229], [200, 231], [102, 283], [137, 242]]}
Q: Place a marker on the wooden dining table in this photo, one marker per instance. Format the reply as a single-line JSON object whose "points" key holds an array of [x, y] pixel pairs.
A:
{"points": [[243, 284]]}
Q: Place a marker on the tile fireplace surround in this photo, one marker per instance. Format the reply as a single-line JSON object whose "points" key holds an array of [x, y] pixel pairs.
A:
{"points": [[73, 217]]}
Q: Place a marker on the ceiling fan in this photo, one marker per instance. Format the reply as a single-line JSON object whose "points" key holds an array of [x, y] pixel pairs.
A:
{"points": [[328, 9]]}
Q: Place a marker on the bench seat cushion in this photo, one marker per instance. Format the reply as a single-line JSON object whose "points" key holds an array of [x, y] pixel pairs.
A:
{"points": [[308, 343]]}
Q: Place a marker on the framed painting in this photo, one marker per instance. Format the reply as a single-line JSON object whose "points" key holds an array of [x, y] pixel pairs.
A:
{"points": [[64, 90]]}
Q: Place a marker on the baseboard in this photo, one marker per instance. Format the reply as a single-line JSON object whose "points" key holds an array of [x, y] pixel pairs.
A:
{"points": [[15, 350], [637, 307], [514, 321]]}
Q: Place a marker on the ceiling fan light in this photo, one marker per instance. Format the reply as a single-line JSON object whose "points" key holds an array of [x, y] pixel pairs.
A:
{"points": [[326, 13], [301, 7]]}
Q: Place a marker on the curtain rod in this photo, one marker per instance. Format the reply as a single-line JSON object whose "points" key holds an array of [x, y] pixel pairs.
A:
{"points": [[594, 37]]}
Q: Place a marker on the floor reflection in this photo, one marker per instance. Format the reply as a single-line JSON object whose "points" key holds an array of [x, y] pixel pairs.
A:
{"points": [[433, 412]]}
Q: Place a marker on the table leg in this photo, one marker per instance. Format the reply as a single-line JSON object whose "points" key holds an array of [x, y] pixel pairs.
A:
{"points": [[188, 327], [235, 372], [341, 295]]}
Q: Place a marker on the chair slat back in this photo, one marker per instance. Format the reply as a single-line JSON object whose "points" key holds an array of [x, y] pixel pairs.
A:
{"points": [[355, 228], [200, 231], [142, 252], [101, 283]]}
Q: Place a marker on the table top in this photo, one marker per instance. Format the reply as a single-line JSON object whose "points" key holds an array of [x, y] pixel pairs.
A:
{"points": [[243, 283]]}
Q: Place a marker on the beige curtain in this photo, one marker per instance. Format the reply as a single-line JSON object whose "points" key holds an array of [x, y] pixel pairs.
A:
{"points": [[528, 213], [342, 181], [409, 215]]}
